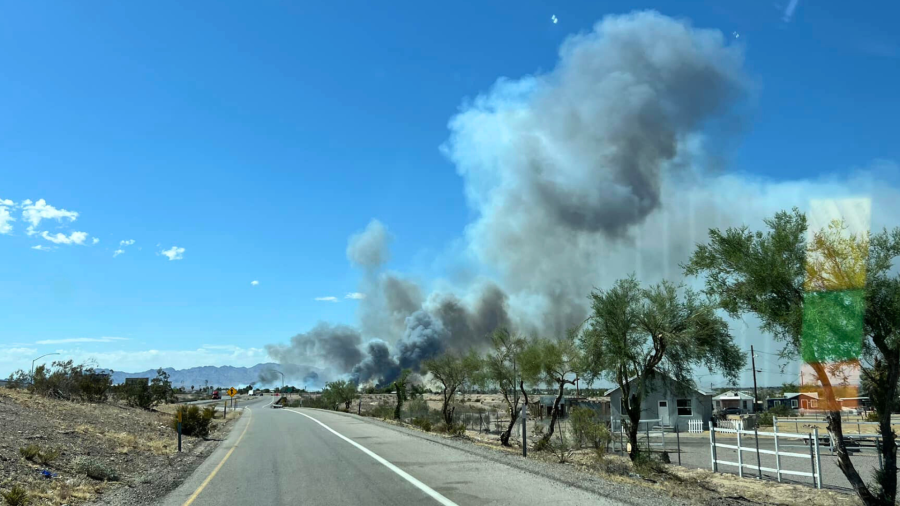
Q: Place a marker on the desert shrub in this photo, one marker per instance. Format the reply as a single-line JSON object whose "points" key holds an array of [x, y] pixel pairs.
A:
{"points": [[873, 417], [65, 380], [193, 421], [416, 408], [48, 455], [30, 452], [294, 403], [16, 496], [766, 418], [646, 465], [18, 379], [561, 447], [94, 469], [588, 430], [422, 423], [454, 429], [383, 411]]}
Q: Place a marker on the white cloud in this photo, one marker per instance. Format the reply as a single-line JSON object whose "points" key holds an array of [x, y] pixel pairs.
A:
{"points": [[355, 296], [41, 247], [95, 240], [5, 217], [33, 213], [789, 10], [254, 282], [73, 238], [118, 252], [554, 19], [82, 340], [174, 253], [327, 299], [125, 242]]}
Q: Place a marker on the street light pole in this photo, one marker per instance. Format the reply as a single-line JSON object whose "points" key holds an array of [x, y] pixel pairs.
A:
{"points": [[35, 360]]}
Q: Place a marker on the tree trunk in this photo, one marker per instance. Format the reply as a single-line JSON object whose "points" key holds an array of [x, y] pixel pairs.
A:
{"points": [[634, 417], [887, 478], [554, 414], [836, 428], [446, 410], [513, 409]]}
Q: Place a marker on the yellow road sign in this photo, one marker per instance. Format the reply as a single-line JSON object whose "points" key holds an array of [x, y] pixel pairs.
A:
{"points": [[232, 392]]}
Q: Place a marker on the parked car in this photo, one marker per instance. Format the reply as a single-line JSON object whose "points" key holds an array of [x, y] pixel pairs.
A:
{"points": [[731, 411]]}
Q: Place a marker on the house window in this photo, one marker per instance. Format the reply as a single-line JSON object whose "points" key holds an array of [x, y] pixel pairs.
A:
{"points": [[794, 403], [814, 404], [684, 407]]}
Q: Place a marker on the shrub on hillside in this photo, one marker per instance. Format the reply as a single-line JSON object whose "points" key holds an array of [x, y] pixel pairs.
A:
{"points": [[422, 423], [587, 430], [16, 496], [194, 422], [95, 469]]}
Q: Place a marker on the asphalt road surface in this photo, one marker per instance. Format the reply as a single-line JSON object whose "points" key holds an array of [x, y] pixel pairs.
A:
{"points": [[313, 457]]}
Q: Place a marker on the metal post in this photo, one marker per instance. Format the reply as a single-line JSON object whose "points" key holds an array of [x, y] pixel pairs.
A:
{"points": [[758, 459], [740, 456], [359, 407], [777, 455], [524, 433], [812, 459], [755, 395], [818, 460], [647, 431], [225, 413], [663, 432], [712, 448], [678, 441], [880, 458], [179, 429]]}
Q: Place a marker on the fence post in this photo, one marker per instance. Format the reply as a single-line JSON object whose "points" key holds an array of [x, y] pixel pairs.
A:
{"points": [[740, 456], [812, 459], [678, 442], [663, 432], [818, 460], [880, 458], [758, 458], [524, 433], [777, 455], [712, 447], [647, 430]]}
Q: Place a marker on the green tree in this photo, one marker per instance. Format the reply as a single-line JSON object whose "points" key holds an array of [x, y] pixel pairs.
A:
{"points": [[452, 371], [634, 335], [404, 389], [827, 300], [501, 369], [340, 392], [555, 363], [787, 388]]}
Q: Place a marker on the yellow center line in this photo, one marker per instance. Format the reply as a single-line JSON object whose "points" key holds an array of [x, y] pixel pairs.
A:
{"points": [[209, 478]]}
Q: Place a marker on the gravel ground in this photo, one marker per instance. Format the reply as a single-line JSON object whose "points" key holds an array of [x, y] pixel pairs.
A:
{"points": [[137, 444]]}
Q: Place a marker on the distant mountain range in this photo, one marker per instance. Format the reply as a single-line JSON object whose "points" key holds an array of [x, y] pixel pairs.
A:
{"points": [[224, 376]]}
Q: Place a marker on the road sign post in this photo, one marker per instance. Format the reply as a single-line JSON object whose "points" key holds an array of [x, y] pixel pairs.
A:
{"points": [[179, 428]]}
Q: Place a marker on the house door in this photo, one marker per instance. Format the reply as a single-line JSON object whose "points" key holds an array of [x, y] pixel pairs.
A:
{"points": [[803, 404], [663, 413]]}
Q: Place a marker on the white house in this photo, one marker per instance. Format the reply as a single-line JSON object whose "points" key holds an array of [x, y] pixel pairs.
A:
{"points": [[734, 399], [668, 402]]}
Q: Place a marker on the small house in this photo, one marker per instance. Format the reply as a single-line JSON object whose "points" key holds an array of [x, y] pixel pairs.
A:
{"points": [[599, 405], [734, 399], [795, 400], [667, 403]]}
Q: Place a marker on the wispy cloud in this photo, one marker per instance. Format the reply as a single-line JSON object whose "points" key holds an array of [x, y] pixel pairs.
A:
{"points": [[5, 217], [95, 240], [174, 253], [118, 252], [554, 19], [126, 242], [82, 340], [58, 238], [327, 299], [35, 212], [789, 10], [41, 247], [355, 296], [254, 282]]}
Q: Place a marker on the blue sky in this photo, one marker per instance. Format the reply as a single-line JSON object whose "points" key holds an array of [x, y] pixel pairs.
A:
{"points": [[259, 136]]}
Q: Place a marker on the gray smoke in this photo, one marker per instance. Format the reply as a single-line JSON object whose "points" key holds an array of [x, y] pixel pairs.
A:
{"points": [[562, 166], [369, 248], [334, 347], [379, 366]]}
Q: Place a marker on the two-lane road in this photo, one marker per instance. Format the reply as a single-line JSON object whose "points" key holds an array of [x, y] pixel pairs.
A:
{"points": [[312, 457]]}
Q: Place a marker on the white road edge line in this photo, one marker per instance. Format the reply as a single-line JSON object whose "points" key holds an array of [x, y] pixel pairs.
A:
{"points": [[403, 474]]}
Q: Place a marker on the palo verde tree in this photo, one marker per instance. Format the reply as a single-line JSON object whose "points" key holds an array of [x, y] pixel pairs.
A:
{"points": [[555, 363], [502, 370], [451, 371], [830, 300], [635, 334], [340, 392], [404, 390]]}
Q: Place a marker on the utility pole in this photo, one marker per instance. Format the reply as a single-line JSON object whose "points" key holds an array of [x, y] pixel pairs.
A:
{"points": [[753, 364]]}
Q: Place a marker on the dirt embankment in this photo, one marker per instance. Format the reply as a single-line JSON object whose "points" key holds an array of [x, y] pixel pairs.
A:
{"points": [[135, 450]]}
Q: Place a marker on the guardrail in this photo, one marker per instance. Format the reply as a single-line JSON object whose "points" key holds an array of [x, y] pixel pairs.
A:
{"points": [[814, 455]]}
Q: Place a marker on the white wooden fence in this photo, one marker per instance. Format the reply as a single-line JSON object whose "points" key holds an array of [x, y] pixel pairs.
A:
{"points": [[695, 426], [731, 424], [813, 456]]}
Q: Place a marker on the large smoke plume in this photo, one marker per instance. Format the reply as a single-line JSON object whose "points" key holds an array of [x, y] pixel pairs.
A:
{"points": [[579, 176]]}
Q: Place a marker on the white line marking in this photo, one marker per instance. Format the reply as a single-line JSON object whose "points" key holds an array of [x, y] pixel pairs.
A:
{"points": [[403, 474]]}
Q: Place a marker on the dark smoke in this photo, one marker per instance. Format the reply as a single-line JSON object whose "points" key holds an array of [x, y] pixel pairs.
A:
{"points": [[379, 366], [328, 346]]}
